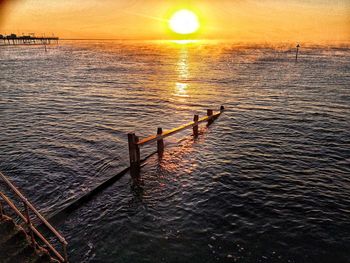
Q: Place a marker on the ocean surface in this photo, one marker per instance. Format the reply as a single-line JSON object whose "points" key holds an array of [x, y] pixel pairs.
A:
{"points": [[269, 181]]}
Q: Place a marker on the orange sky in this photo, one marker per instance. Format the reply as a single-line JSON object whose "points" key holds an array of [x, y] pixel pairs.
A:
{"points": [[239, 20]]}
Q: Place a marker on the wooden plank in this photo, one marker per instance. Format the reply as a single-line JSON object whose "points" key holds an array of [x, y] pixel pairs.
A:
{"points": [[167, 133]]}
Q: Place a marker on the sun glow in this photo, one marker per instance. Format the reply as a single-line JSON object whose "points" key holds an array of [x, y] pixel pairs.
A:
{"points": [[184, 22]]}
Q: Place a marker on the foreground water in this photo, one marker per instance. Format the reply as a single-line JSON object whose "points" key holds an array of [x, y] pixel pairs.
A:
{"points": [[268, 182]]}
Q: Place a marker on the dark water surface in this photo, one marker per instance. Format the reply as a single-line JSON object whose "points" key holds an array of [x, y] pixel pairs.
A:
{"points": [[268, 182]]}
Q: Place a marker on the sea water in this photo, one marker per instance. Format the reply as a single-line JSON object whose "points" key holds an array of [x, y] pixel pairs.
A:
{"points": [[269, 181]]}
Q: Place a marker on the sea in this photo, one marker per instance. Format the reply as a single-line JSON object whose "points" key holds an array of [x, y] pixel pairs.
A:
{"points": [[268, 181]]}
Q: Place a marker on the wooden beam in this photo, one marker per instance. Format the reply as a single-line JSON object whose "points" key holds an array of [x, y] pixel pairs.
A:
{"points": [[167, 133]]}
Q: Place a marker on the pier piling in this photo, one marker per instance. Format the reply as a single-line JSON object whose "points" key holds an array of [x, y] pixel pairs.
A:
{"points": [[297, 52]]}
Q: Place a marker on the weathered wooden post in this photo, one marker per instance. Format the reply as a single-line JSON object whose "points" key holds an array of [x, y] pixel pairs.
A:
{"points": [[195, 127], [134, 154], [160, 142], [210, 113], [297, 52]]}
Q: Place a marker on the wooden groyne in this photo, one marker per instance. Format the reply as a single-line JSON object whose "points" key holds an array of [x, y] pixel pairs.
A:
{"points": [[29, 215], [135, 143], [13, 40], [135, 159]]}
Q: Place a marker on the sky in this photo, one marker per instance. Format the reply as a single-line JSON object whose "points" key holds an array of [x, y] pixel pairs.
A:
{"points": [[316, 21]]}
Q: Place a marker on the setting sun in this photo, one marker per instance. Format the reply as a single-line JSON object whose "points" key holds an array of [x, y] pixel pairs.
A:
{"points": [[184, 22]]}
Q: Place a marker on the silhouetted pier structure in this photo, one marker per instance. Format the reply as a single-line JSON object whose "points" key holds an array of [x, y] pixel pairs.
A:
{"points": [[296, 53], [31, 39]]}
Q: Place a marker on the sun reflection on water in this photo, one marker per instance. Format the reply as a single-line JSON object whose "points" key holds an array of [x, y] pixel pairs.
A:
{"points": [[185, 41], [182, 69], [181, 89]]}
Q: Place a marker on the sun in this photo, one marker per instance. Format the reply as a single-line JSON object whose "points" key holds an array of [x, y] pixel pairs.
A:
{"points": [[184, 22]]}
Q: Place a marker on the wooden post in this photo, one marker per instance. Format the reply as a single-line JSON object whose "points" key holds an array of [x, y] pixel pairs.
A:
{"points": [[210, 113], [134, 154], [160, 142], [195, 127], [296, 55], [222, 108], [29, 223]]}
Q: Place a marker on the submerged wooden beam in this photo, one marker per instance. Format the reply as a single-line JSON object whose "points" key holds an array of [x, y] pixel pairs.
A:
{"points": [[74, 204]]}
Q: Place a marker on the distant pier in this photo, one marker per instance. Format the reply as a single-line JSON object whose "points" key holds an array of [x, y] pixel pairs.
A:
{"points": [[31, 39]]}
